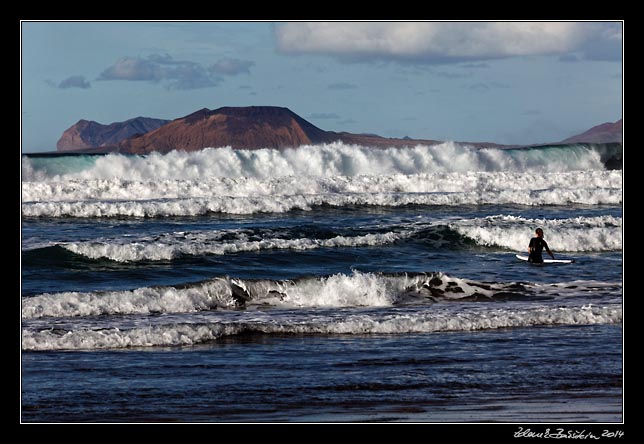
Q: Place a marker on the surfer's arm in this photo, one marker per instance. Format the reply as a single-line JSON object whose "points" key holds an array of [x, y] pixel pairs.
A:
{"points": [[548, 250]]}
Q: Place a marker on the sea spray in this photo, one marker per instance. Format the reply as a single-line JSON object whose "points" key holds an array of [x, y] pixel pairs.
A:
{"points": [[161, 207], [326, 160]]}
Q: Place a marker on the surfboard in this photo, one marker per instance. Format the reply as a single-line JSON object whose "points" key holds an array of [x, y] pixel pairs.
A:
{"points": [[547, 261]]}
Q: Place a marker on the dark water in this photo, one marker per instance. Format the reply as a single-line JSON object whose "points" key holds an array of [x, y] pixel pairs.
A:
{"points": [[368, 305], [536, 374]]}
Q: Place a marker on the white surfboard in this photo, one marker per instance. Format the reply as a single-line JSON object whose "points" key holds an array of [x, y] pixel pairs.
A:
{"points": [[547, 261]]}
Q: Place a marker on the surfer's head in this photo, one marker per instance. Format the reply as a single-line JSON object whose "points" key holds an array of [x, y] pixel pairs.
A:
{"points": [[539, 232]]}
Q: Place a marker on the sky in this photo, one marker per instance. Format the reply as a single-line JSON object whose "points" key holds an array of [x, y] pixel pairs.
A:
{"points": [[504, 82]]}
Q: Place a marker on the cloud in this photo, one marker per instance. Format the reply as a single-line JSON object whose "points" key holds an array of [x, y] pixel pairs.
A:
{"points": [[475, 65], [479, 87], [499, 85], [132, 68], [448, 42], [70, 82], [568, 58], [176, 74], [450, 75], [342, 85], [605, 44], [323, 116], [74, 82], [485, 87], [231, 67]]}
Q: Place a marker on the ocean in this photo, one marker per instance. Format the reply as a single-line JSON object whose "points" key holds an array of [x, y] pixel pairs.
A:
{"points": [[327, 283]]}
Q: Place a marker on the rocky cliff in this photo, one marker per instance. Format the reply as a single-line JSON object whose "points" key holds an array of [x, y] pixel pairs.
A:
{"points": [[89, 134], [604, 133]]}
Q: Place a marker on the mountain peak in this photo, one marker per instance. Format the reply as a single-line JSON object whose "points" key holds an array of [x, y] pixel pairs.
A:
{"points": [[247, 127]]}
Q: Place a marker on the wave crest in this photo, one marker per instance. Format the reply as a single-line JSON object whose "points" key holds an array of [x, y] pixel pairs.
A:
{"points": [[579, 234], [507, 232], [325, 160], [341, 290], [181, 334]]}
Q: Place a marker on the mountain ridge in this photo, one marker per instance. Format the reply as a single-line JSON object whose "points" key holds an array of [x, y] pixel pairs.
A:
{"points": [[90, 134], [251, 127]]}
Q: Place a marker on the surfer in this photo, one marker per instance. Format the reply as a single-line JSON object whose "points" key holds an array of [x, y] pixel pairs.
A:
{"points": [[537, 244]]}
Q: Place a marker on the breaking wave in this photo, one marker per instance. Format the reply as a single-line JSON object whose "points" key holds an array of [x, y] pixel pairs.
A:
{"points": [[325, 160], [357, 303], [579, 234], [355, 290], [277, 181], [205, 329], [471, 186], [507, 232], [358, 289]]}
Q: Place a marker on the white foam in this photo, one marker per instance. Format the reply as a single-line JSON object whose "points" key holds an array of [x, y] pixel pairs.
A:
{"points": [[118, 196], [340, 290], [579, 234], [146, 300], [420, 321], [282, 204], [356, 289], [483, 183], [115, 338], [325, 160], [171, 245]]}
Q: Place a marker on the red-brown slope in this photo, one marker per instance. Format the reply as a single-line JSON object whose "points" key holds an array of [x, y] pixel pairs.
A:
{"points": [[239, 127], [605, 133]]}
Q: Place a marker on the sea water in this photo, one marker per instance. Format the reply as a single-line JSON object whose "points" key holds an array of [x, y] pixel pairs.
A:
{"points": [[324, 283]]}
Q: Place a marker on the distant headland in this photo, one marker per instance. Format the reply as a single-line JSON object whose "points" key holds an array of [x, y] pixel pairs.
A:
{"points": [[251, 127]]}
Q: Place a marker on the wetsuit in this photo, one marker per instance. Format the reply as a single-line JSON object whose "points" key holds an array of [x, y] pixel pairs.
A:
{"points": [[537, 244]]}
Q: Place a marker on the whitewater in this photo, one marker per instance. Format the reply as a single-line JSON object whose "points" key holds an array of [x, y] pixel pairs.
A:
{"points": [[327, 160], [319, 282], [271, 181], [581, 234]]}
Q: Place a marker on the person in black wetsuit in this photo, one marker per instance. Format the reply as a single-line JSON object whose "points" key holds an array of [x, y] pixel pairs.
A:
{"points": [[537, 244]]}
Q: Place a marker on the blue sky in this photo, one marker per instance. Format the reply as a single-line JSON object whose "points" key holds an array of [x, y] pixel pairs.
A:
{"points": [[504, 82]]}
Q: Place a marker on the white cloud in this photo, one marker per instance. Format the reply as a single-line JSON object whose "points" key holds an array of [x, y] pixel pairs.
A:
{"points": [[71, 82], [320, 116], [178, 74], [232, 67], [436, 42]]}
